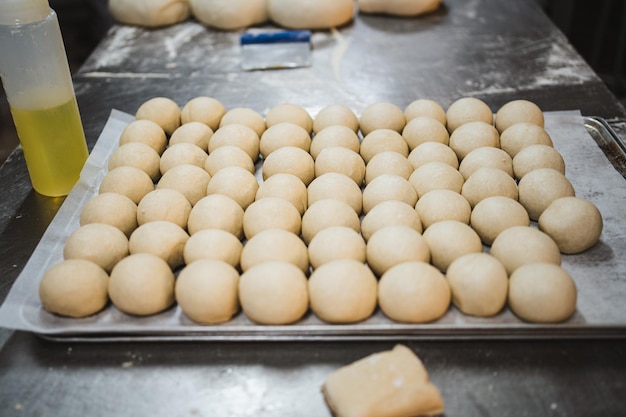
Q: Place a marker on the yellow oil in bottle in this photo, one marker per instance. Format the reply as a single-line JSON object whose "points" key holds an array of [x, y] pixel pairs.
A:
{"points": [[54, 146]]}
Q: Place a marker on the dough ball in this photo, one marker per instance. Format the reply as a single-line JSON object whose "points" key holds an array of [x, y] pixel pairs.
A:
{"points": [[216, 211], [467, 109], [304, 14], [542, 293], [381, 115], [190, 180], [393, 245], [236, 135], [336, 243], [342, 161], [196, 133], [388, 187], [424, 129], [102, 244], [290, 113], [388, 162], [207, 291], [138, 155], [489, 182], [128, 181], [473, 135], [149, 13], [343, 291], [142, 284], [244, 116], [518, 111], [439, 205], [236, 183], [486, 157], [111, 208], [522, 135], [414, 292], [285, 186], [494, 214], [229, 14], [335, 115], [284, 134], [337, 186], [433, 152], [479, 284], [521, 245], [203, 109], [575, 224], [390, 213], [290, 160], [274, 293], [333, 136], [537, 156], [164, 204], [161, 110], [74, 288], [275, 245], [181, 154], [228, 156], [398, 7], [449, 240], [425, 107], [328, 213], [271, 213], [541, 187], [215, 244], [436, 176], [144, 131], [381, 140], [161, 238]]}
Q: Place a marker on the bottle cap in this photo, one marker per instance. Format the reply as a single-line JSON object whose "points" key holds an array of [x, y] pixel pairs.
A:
{"points": [[21, 12]]}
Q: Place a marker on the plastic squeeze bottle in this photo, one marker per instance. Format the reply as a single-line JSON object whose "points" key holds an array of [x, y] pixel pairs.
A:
{"points": [[38, 84]]}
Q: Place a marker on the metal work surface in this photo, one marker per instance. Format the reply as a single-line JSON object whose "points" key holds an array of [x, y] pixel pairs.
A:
{"points": [[494, 50]]}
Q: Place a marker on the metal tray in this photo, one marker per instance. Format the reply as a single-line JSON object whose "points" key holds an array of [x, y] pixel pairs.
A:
{"points": [[600, 273]]}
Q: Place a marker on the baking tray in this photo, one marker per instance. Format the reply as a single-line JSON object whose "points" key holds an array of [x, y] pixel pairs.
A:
{"points": [[599, 273]]}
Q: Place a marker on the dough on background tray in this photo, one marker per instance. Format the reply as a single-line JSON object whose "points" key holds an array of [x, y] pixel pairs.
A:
{"points": [[399, 7], [310, 14], [229, 14], [149, 13]]}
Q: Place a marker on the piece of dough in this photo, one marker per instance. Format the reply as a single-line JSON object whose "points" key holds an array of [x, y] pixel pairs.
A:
{"points": [[290, 160], [449, 240], [138, 155], [207, 110], [436, 176], [342, 161], [271, 213], [161, 238], [275, 245], [335, 243], [236, 183], [393, 245], [337, 186], [479, 284], [229, 14], [489, 182], [284, 134], [332, 136], [335, 115], [388, 162], [425, 107], [288, 112], [128, 181], [216, 211], [274, 293], [74, 288], [518, 111], [381, 140], [473, 135], [328, 213], [521, 245], [575, 224], [424, 129], [414, 292], [286, 186], [381, 115], [343, 291], [542, 293], [102, 244], [399, 7], [467, 109], [161, 110], [164, 204], [111, 208], [537, 156], [494, 214], [244, 116], [486, 157], [433, 152], [228, 156], [144, 131], [207, 291], [390, 213], [310, 14], [439, 205], [180, 154], [216, 244], [190, 180], [142, 284], [541, 187], [521, 135], [196, 133], [149, 13], [388, 187]]}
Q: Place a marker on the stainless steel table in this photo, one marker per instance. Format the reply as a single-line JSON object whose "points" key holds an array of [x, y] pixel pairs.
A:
{"points": [[490, 49]]}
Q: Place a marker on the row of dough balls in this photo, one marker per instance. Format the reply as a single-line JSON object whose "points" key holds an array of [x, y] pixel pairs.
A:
{"points": [[239, 14]]}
